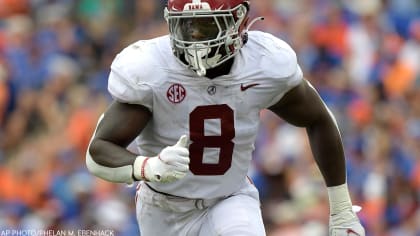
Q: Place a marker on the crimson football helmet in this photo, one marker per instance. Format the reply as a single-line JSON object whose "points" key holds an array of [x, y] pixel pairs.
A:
{"points": [[206, 33]]}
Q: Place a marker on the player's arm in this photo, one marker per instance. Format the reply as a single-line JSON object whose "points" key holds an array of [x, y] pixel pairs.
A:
{"points": [[107, 156], [303, 107], [118, 127]]}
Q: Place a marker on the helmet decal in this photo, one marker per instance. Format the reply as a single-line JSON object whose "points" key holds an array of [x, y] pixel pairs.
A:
{"points": [[196, 5]]}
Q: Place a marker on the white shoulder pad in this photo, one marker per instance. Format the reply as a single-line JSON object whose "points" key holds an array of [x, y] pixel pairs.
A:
{"points": [[136, 62], [128, 91], [278, 64], [278, 58], [142, 61], [133, 72]]}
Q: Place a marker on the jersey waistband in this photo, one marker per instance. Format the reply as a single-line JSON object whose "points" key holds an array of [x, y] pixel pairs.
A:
{"points": [[147, 194]]}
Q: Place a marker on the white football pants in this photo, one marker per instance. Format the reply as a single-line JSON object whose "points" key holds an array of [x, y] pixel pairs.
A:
{"points": [[163, 215]]}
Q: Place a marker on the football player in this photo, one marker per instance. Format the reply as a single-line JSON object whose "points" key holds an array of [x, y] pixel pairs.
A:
{"points": [[191, 100]]}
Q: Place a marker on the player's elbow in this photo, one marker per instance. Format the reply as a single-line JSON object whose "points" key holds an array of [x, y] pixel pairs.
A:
{"points": [[98, 165], [93, 158], [90, 161]]}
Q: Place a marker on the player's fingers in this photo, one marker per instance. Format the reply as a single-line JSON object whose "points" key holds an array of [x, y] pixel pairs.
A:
{"points": [[347, 232], [182, 160], [178, 174], [181, 151], [182, 142], [356, 208], [180, 167], [176, 158], [172, 176]]}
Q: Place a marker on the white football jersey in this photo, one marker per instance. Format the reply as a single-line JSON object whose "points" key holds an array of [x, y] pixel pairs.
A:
{"points": [[220, 116]]}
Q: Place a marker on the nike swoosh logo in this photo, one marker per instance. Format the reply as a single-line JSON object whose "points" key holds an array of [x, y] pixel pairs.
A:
{"points": [[350, 231], [245, 87]]}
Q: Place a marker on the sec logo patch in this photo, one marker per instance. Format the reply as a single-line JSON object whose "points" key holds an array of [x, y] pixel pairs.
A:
{"points": [[176, 93]]}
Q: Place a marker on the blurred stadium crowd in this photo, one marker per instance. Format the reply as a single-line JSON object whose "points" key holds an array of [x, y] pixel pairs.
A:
{"points": [[362, 56]]}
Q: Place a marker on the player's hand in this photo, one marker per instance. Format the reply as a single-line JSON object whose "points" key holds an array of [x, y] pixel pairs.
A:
{"points": [[171, 164], [346, 224]]}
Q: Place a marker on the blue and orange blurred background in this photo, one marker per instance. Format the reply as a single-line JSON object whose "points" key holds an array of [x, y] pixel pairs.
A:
{"points": [[363, 56]]}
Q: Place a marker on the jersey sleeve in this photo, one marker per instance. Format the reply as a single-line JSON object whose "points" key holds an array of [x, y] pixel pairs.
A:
{"points": [[282, 68], [124, 91], [287, 84], [126, 85]]}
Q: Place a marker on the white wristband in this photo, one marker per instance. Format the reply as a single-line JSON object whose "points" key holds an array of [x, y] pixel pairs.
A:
{"points": [[339, 199], [139, 166]]}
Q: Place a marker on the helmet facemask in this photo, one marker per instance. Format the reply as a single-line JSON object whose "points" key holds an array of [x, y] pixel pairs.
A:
{"points": [[204, 39]]}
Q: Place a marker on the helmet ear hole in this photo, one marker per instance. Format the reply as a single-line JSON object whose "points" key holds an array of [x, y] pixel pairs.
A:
{"points": [[241, 12]]}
